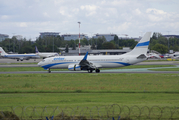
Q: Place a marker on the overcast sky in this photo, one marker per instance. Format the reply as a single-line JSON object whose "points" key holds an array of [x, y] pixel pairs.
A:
{"points": [[132, 17]]}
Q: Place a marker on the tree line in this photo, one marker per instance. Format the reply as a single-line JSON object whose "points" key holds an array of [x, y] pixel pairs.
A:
{"points": [[52, 44], [162, 45]]}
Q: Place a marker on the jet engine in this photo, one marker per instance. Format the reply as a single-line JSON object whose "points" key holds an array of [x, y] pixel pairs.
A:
{"points": [[74, 67]]}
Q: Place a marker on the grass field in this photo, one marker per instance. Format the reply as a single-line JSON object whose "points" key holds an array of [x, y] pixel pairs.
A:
{"points": [[104, 83], [89, 90]]}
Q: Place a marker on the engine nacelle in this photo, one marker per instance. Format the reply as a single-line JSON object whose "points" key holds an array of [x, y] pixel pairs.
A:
{"points": [[74, 67]]}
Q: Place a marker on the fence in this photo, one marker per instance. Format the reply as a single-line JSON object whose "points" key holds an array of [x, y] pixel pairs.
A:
{"points": [[111, 112]]}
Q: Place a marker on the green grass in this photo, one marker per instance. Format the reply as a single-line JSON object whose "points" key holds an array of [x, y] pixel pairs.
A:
{"points": [[89, 99], [165, 69], [9, 69], [88, 104], [89, 83], [87, 91]]}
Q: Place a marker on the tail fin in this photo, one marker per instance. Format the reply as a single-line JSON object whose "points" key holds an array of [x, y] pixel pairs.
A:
{"points": [[36, 49], [2, 52], [142, 46]]}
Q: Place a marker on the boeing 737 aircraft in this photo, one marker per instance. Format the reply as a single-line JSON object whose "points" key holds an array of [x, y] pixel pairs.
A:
{"points": [[90, 63], [45, 55], [18, 56]]}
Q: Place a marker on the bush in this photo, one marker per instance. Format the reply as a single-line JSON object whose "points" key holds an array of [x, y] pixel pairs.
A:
{"points": [[6, 115]]}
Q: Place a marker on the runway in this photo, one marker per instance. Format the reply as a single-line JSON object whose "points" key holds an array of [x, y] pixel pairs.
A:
{"points": [[137, 70]]}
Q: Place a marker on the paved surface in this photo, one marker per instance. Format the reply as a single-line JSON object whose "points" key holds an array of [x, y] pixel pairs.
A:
{"points": [[138, 70]]}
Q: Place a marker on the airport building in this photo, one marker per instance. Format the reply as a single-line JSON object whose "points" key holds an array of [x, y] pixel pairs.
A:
{"points": [[74, 36], [51, 34], [108, 37], [3, 37], [171, 36], [84, 49]]}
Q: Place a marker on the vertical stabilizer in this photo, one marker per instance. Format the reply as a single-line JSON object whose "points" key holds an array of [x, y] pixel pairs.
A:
{"points": [[36, 49], [2, 52], [142, 46]]}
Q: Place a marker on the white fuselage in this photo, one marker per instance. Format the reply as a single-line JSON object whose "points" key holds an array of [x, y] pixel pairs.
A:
{"points": [[46, 55], [21, 56], [105, 61]]}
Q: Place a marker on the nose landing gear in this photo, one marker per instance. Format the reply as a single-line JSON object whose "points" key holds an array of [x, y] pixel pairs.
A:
{"points": [[49, 70]]}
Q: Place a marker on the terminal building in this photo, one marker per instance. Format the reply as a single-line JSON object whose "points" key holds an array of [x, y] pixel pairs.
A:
{"points": [[171, 36], [3, 37], [84, 49], [74, 36], [49, 34], [108, 37]]}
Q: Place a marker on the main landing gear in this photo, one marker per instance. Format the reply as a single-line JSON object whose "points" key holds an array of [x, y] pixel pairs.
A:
{"points": [[97, 70], [91, 70]]}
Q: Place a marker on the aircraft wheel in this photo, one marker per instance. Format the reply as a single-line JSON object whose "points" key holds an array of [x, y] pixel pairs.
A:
{"points": [[90, 71], [17, 59], [49, 70], [97, 71]]}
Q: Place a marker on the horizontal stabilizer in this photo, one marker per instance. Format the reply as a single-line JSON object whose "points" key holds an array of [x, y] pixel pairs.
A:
{"points": [[141, 56]]}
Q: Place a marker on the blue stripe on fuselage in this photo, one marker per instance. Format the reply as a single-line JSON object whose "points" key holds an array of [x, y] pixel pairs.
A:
{"points": [[142, 44], [19, 55], [50, 65], [125, 64]]}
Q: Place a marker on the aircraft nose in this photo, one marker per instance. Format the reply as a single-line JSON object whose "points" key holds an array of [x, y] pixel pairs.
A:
{"points": [[39, 64]]}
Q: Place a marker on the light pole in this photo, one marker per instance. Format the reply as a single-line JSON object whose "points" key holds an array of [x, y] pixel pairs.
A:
{"points": [[91, 37], [168, 42], [53, 43], [13, 41], [79, 37]]}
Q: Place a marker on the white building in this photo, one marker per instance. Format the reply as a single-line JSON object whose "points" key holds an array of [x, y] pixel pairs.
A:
{"points": [[53, 34], [74, 36], [108, 37]]}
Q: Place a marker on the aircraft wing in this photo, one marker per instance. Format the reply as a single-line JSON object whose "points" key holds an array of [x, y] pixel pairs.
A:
{"points": [[86, 65], [52, 55]]}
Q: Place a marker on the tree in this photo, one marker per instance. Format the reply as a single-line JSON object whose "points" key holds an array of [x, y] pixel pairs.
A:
{"points": [[116, 39], [108, 45], [160, 48]]}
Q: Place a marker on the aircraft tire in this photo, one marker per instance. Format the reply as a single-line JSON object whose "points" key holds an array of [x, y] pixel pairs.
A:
{"points": [[97, 71], [49, 70], [90, 71]]}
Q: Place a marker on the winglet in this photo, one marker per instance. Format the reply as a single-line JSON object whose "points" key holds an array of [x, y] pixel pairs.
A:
{"points": [[36, 50], [85, 57]]}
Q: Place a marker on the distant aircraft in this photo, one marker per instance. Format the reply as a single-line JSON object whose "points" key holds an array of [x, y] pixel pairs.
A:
{"points": [[90, 63], [18, 56], [153, 55], [45, 55], [174, 55]]}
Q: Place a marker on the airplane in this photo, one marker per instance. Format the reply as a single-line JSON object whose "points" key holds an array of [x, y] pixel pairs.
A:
{"points": [[18, 56], [45, 55], [174, 55], [90, 63], [153, 55]]}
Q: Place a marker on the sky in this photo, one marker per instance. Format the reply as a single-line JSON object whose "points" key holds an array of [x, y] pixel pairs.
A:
{"points": [[122, 17]]}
